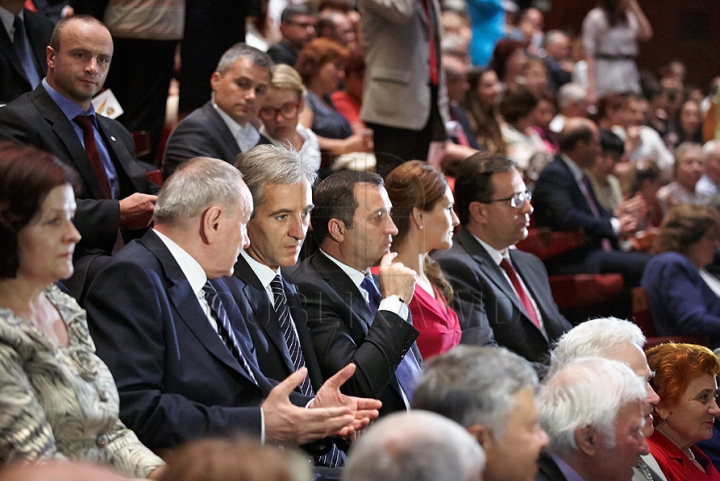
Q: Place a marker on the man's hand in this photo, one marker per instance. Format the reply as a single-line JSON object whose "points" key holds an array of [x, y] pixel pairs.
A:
{"points": [[364, 410], [628, 225], [136, 211], [396, 279], [635, 207], [291, 425]]}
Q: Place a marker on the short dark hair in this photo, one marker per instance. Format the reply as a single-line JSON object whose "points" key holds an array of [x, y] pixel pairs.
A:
{"points": [[62, 23], [27, 175], [295, 9], [569, 138], [611, 143], [517, 105], [334, 198], [474, 180]]}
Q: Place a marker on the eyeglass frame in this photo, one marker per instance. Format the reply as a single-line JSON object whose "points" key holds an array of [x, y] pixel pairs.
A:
{"points": [[517, 200], [295, 105]]}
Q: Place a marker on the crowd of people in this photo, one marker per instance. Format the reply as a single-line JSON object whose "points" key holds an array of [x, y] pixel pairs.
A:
{"points": [[321, 255]]}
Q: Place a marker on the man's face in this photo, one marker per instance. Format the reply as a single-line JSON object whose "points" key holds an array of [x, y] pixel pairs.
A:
{"points": [[279, 225], [637, 112], [371, 234], [506, 225], [79, 68], [299, 31], [232, 235], [457, 87], [712, 165], [617, 463], [513, 456], [589, 152], [240, 91], [559, 48], [344, 32]]}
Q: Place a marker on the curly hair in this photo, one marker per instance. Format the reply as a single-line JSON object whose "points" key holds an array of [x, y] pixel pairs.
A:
{"points": [[316, 54], [685, 225]]}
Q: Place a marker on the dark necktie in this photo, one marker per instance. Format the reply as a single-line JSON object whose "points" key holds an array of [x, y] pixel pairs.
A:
{"points": [[408, 371], [225, 330], [521, 292], [28, 64], [92, 152]]}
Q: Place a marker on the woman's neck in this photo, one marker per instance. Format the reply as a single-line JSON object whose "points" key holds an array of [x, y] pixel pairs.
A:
{"points": [[20, 296]]}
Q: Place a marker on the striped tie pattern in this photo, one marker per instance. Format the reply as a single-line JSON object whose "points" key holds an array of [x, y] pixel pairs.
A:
{"points": [[224, 328]]}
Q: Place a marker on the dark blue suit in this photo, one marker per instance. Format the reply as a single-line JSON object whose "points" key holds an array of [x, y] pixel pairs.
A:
{"points": [[176, 378], [681, 302]]}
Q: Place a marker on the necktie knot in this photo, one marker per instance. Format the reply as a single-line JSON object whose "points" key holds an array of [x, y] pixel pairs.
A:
{"points": [[84, 122]]}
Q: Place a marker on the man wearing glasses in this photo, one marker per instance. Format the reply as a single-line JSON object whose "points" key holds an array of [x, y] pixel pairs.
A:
{"points": [[489, 276], [297, 27], [222, 128]]}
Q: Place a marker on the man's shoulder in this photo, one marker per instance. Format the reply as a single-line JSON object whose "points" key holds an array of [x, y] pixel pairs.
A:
{"points": [[199, 117]]}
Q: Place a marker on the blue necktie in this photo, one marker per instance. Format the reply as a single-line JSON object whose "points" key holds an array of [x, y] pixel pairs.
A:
{"points": [[23, 54]]}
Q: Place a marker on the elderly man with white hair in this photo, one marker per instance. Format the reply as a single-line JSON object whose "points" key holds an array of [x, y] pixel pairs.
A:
{"points": [[592, 409], [613, 338], [572, 103], [710, 181], [489, 391], [417, 446]]}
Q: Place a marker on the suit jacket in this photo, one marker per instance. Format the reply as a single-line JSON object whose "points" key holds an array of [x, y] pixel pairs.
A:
{"points": [[203, 133], [283, 52], [548, 470], [344, 330], [459, 113], [12, 75], [35, 119], [176, 378], [477, 280], [397, 64]]}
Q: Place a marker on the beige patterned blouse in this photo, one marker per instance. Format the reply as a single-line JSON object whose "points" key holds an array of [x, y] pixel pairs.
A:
{"points": [[58, 402]]}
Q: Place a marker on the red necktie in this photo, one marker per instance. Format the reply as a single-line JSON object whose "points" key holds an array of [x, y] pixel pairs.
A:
{"points": [[522, 294], [92, 152], [431, 37]]}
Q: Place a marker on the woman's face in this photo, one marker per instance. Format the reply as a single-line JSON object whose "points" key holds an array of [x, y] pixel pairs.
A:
{"points": [[279, 113], [489, 89], [690, 168], [439, 223], [691, 421], [329, 76], [515, 63], [702, 252], [47, 243], [536, 78], [690, 117], [543, 114]]}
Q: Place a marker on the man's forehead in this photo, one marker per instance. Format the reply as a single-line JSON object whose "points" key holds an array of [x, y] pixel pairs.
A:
{"points": [[371, 197]]}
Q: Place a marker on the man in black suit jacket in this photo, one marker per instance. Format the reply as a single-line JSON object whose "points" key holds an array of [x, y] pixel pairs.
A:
{"points": [[347, 318], [221, 128], [565, 200], [298, 27], [38, 29], [494, 209], [173, 337], [44, 118]]}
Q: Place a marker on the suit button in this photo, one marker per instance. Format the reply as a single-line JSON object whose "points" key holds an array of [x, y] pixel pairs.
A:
{"points": [[101, 441]]}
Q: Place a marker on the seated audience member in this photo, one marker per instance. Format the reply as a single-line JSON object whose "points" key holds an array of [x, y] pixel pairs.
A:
{"points": [[565, 200], [418, 445], [592, 410], [612, 111], [490, 392], [711, 447], [623, 341], [423, 213], [685, 381], [708, 184], [535, 75], [482, 102], [602, 173], [572, 103], [58, 399], [689, 123], [687, 171], [460, 131], [336, 26], [523, 143], [557, 59], [23, 62], [508, 62], [175, 341], [684, 298], [298, 24], [241, 460], [58, 117], [542, 117], [280, 114], [646, 180], [322, 65], [352, 315], [348, 101], [491, 280], [58, 471], [222, 128]]}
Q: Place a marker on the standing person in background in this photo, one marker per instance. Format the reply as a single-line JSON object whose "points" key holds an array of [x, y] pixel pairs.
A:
{"points": [[610, 35], [297, 26]]}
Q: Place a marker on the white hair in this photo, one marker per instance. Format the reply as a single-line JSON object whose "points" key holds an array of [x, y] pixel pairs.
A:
{"points": [[417, 446], [709, 147], [569, 93], [586, 392]]}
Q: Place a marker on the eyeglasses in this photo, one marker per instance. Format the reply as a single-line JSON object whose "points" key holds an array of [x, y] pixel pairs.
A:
{"points": [[303, 25], [516, 201], [287, 110]]}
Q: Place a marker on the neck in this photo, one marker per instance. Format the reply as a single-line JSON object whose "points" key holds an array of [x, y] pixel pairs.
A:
{"points": [[680, 443], [12, 6], [336, 251], [83, 104], [20, 295]]}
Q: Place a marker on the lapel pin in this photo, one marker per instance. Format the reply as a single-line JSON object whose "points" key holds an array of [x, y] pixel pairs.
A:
{"points": [[112, 138]]}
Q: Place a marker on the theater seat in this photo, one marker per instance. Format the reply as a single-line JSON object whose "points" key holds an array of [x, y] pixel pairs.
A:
{"points": [[643, 319], [545, 243], [585, 290], [156, 177]]}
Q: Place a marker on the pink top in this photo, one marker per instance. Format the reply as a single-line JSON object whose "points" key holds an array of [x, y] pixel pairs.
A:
{"points": [[437, 322]]}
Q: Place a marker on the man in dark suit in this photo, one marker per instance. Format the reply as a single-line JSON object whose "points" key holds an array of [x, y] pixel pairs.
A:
{"points": [[58, 117], [349, 318], [564, 200], [557, 59], [221, 128], [298, 24], [485, 270], [173, 337], [23, 33]]}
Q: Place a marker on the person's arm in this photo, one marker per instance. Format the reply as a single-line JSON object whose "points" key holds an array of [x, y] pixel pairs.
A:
{"points": [[645, 31]]}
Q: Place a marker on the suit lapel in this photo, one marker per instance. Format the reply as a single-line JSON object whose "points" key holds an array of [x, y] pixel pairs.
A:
{"points": [[219, 126], [7, 49], [38, 47]]}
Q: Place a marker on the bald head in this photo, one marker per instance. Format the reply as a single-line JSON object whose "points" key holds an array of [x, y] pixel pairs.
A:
{"points": [[580, 141]]}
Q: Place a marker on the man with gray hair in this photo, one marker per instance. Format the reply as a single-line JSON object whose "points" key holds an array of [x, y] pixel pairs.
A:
{"points": [[175, 341], [710, 181], [417, 446], [572, 103], [623, 341], [490, 392], [592, 409], [221, 128], [559, 66]]}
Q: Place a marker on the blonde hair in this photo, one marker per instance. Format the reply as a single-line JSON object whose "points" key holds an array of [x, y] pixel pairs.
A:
{"points": [[287, 78]]}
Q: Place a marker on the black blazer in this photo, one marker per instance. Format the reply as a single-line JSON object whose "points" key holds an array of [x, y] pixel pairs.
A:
{"points": [[475, 277], [344, 330], [176, 378], [203, 133], [35, 119], [12, 76], [548, 470]]}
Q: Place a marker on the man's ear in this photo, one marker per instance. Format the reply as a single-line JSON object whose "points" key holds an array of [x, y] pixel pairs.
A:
{"points": [[336, 230], [478, 212], [210, 224], [483, 435], [587, 439], [214, 80], [50, 55]]}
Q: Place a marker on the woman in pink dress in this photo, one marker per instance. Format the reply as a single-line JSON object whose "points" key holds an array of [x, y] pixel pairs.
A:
{"points": [[423, 213]]}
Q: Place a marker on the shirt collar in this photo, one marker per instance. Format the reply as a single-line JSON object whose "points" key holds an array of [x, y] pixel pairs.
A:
{"points": [[496, 255], [68, 107], [355, 275], [246, 137], [567, 470], [263, 272], [574, 169], [192, 269]]}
